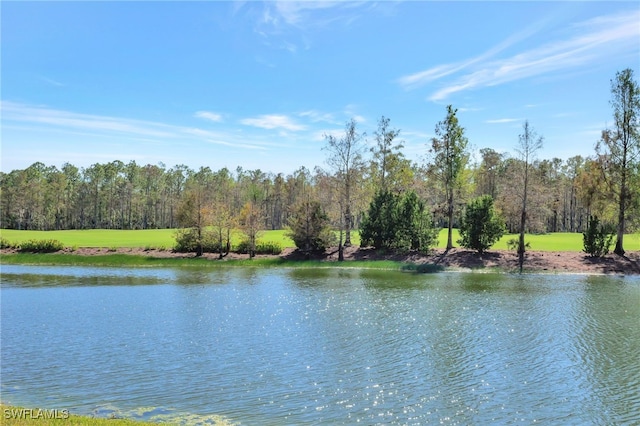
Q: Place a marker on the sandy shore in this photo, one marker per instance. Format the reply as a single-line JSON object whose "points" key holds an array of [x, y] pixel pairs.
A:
{"points": [[535, 261]]}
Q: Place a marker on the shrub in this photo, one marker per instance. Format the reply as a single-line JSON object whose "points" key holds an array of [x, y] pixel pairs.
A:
{"points": [[597, 238], [187, 241], [398, 222], [267, 247], [513, 243], [6, 244], [481, 226], [310, 228], [41, 246]]}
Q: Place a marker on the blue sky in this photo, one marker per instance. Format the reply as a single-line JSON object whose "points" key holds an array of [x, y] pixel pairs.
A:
{"points": [[258, 84]]}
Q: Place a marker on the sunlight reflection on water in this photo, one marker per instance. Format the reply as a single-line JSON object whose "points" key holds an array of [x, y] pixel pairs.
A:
{"points": [[288, 346]]}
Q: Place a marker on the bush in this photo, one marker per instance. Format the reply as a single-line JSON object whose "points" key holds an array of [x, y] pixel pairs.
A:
{"points": [[481, 226], [187, 241], [513, 243], [41, 246], [597, 238], [6, 244], [267, 247], [310, 228], [398, 222]]}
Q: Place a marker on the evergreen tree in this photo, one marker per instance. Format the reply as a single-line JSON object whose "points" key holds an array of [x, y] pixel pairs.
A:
{"points": [[310, 227], [597, 238], [398, 222], [481, 225]]}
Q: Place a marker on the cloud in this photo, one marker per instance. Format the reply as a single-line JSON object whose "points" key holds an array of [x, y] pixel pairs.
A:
{"points": [[207, 115], [288, 25], [301, 14], [273, 121], [64, 119], [51, 81], [592, 41], [503, 120], [50, 120], [317, 116]]}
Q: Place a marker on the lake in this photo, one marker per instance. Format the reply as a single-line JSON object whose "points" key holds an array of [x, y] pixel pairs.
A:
{"points": [[278, 346]]}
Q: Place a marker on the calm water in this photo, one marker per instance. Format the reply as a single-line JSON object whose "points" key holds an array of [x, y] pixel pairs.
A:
{"points": [[292, 346]]}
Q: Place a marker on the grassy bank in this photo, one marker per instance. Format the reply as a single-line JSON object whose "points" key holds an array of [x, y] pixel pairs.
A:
{"points": [[135, 260], [19, 416], [164, 239]]}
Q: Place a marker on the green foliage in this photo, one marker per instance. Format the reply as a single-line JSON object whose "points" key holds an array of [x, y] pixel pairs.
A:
{"points": [[41, 246], [268, 247], [598, 237], [262, 247], [310, 227], [188, 240], [513, 243], [481, 226], [6, 244], [398, 222]]}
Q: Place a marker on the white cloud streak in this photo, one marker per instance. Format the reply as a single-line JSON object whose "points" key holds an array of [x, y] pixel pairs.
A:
{"points": [[211, 116], [503, 120], [64, 119], [273, 121], [593, 41], [43, 118]]}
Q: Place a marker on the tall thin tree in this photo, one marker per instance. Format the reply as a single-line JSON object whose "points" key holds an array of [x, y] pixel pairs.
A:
{"points": [[345, 158], [620, 146], [528, 144], [449, 148]]}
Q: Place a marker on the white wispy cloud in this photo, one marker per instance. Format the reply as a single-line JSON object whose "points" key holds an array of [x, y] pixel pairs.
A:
{"points": [[318, 116], [48, 119], [51, 81], [65, 119], [287, 25], [591, 41], [304, 13], [208, 115], [273, 121], [503, 120], [439, 71]]}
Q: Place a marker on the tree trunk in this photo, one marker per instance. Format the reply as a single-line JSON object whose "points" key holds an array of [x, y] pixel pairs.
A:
{"points": [[523, 219], [619, 250], [347, 219], [450, 217]]}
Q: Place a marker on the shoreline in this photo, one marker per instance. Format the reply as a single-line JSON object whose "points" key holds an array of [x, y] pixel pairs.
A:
{"points": [[460, 260]]}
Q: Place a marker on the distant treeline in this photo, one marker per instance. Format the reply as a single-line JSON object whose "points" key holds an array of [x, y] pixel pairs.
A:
{"points": [[119, 195]]}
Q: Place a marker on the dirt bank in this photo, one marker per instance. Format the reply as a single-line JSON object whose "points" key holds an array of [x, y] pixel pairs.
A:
{"points": [[535, 261]]}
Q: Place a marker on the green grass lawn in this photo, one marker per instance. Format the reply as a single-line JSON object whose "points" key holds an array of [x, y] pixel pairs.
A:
{"points": [[164, 238]]}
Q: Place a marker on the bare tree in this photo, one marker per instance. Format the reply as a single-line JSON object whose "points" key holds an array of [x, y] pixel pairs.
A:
{"points": [[529, 142], [345, 158], [388, 160], [622, 144]]}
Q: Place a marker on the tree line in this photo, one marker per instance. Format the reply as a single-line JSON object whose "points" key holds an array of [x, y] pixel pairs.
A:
{"points": [[533, 195]]}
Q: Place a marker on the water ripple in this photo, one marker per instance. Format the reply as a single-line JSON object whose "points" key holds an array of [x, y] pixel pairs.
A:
{"points": [[305, 347]]}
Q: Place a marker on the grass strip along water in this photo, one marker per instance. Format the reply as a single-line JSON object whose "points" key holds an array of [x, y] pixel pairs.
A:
{"points": [[164, 239], [20, 416], [135, 260], [556, 253]]}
